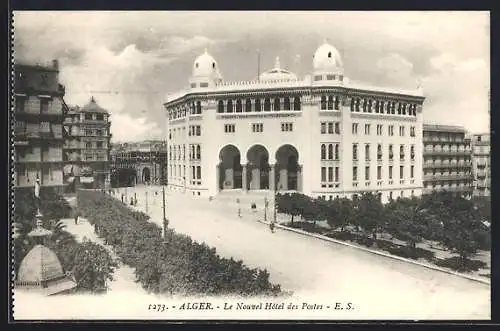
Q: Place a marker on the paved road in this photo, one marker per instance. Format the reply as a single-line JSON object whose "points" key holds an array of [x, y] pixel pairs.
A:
{"points": [[379, 287]]}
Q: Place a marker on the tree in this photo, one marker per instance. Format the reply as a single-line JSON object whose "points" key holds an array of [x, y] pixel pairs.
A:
{"points": [[93, 266], [405, 220], [370, 213]]}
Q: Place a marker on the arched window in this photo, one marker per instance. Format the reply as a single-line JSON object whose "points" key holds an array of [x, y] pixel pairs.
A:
{"points": [[329, 54], [220, 107], [365, 104], [257, 105], [370, 104], [399, 108], [192, 108], [412, 152], [330, 102], [198, 107], [357, 104], [367, 152], [379, 152], [170, 153], [287, 103], [267, 104], [404, 108], [238, 106], [248, 105], [353, 104], [197, 65], [213, 65], [401, 152], [377, 104], [229, 107], [277, 105], [323, 151], [323, 102], [337, 103], [296, 103], [330, 152], [337, 152]]}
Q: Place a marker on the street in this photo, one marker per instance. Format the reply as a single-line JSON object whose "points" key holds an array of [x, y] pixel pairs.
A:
{"points": [[313, 268]]}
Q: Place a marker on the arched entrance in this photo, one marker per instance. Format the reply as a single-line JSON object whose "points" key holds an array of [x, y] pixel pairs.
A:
{"points": [[146, 175], [230, 169], [258, 168], [287, 169]]}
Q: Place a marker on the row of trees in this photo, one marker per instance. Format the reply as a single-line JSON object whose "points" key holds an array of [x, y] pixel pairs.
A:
{"points": [[90, 263], [455, 222], [175, 264]]}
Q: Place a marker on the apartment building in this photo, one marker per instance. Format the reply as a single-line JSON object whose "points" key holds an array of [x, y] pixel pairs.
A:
{"points": [[481, 164]]}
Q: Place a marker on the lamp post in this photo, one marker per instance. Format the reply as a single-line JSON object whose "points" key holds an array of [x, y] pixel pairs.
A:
{"points": [[266, 204], [275, 199], [165, 221]]}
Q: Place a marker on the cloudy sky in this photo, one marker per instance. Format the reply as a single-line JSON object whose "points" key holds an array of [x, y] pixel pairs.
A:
{"points": [[129, 61]]}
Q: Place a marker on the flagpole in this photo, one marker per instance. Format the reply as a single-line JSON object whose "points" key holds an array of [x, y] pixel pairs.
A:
{"points": [[258, 64]]}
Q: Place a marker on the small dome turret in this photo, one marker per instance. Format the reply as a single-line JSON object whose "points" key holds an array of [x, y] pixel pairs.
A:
{"points": [[205, 71], [327, 58]]}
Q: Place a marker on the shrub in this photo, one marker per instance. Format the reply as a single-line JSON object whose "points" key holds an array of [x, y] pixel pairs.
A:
{"points": [[459, 264], [174, 265], [411, 253], [341, 235]]}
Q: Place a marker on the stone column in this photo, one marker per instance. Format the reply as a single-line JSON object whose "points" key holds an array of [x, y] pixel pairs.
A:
{"points": [[255, 184], [217, 177], [244, 184], [299, 178], [272, 178]]}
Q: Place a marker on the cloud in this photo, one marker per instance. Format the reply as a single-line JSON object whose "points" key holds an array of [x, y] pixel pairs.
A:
{"points": [[130, 60]]}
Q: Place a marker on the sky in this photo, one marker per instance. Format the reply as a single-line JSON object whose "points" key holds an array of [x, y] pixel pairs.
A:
{"points": [[130, 61]]}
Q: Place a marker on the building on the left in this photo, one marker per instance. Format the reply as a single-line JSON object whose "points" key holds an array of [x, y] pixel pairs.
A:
{"points": [[38, 136]]}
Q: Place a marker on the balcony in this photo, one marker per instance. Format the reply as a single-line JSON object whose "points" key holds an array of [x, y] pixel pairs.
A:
{"points": [[441, 152]]}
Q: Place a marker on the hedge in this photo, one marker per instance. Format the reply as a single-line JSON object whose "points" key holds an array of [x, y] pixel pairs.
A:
{"points": [[176, 265]]}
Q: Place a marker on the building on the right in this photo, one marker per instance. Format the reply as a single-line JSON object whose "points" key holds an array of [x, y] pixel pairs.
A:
{"points": [[481, 164], [447, 160]]}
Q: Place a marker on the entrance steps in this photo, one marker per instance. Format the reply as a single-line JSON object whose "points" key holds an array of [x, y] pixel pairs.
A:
{"points": [[247, 198]]}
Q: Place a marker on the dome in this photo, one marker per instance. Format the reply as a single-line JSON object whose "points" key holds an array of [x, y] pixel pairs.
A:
{"points": [[40, 264], [277, 73], [93, 107], [327, 58], [206, 66]]}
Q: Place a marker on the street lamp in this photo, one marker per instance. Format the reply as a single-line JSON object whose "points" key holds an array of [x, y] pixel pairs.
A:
{"points": [[275, 200]]}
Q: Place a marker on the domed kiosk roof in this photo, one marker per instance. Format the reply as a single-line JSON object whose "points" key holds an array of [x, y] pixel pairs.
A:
{"points": [[277, 73], [41, 268], [327, 58], [93, 107], [205, 65]]}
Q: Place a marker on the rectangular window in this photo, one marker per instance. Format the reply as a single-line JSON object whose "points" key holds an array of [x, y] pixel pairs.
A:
{"points": [[412, 131], [354, 128], [198, 130], [379, 172], [257, 127], [402, 131], [88, 145], [193, 172], [229, 128], [323, 128], [391, 153], [355, 152], [44, 105], [330, 127], [367, 129], [379, 129], [337, 127], [367, 152], [390, 172], [391, 130], [354, 173], [401, 172], [99, 144], [330, 174], [336, 174], [367, 173], [286, 127], [412, 171], [323, 174], [198, 172]]}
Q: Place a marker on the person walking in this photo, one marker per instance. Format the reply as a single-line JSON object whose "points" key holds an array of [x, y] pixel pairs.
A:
{"points": [[271, 226], [76, 217]]}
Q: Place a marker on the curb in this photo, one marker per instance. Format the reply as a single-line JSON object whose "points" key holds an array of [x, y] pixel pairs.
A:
{"points": [[428, 266]]}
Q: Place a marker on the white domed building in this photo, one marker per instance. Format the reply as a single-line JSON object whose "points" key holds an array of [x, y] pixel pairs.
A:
{"points": [[321, 135]]}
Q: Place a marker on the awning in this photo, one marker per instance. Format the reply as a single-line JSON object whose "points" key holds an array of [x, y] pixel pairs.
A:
{"points": [[86, 179]]}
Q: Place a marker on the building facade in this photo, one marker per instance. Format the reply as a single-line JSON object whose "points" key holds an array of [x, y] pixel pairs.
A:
{"points": [[87, 146], [323, 135], [38, 134], [447, 159], [481, 164], [139, 163]]}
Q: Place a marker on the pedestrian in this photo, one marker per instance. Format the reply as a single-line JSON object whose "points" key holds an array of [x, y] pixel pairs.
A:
{"points": [[271, 226], [122, 198], [131, 201], [76, 217]]}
